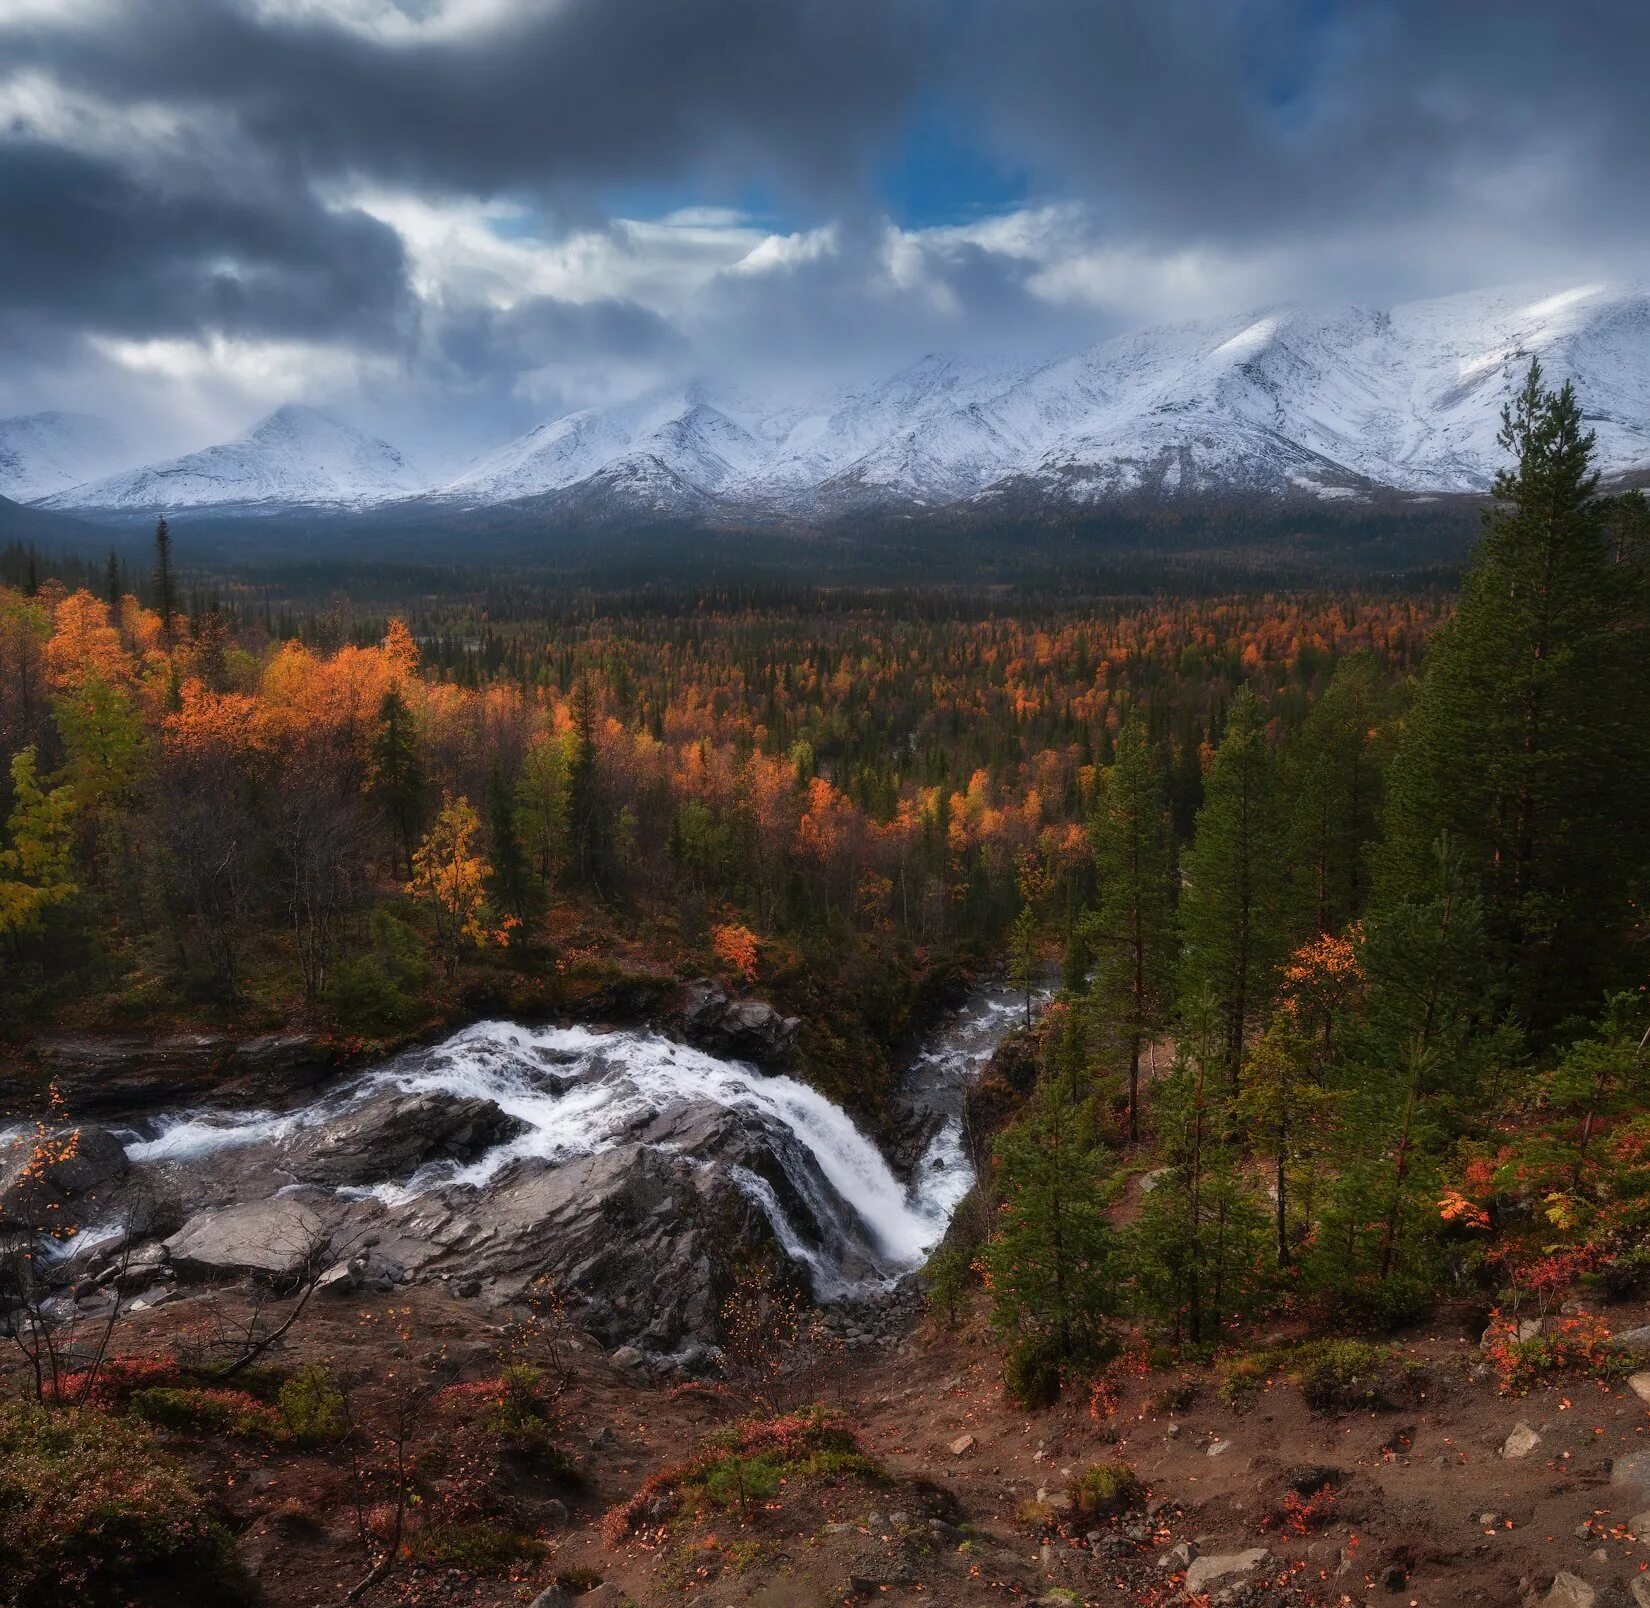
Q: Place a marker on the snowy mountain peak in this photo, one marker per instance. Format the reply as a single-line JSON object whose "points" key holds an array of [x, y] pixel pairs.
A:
{"points": [[296, 456]]}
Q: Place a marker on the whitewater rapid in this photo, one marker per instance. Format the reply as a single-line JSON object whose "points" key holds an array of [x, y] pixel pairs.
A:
{"points": [[579, 1091]]}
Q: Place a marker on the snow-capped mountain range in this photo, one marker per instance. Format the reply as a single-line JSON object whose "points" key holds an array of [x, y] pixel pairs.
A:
{"points": [[1336, 402]]}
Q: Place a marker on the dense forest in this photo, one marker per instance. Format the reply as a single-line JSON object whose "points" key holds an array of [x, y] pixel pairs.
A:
{"points": [[231, 805]]}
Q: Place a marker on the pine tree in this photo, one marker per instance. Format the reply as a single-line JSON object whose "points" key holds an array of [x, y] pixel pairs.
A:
{"points": [[1332, 774], [512, 884], [1131, 935], [1048, 1264], [111, 583], [396, 778], [1528, 742], [1233, 909], [165, 587], [1024, 956], [1197, 1252]]}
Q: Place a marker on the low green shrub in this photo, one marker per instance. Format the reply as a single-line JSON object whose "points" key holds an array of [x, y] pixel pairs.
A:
{"points": [[312, 1407], [91, 1513], [477, 1546], [1344, 1375], [209, 1410], [1104, 1490]]}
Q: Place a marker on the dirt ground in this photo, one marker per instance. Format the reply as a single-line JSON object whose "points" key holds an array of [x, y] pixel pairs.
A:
{"points": [[1422, 1507]]}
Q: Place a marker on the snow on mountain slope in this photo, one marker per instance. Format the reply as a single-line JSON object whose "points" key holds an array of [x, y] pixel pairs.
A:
{"points": [[45, 452], [1331, 402], [297, 456]]}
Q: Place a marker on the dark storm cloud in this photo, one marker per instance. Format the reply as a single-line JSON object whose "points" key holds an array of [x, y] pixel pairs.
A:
{"points": [[90, 243], [1282, 120], [550, 97], [177, 167]]}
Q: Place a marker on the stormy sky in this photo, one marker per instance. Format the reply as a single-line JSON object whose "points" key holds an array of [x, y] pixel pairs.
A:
{"points": [[447, 219]]}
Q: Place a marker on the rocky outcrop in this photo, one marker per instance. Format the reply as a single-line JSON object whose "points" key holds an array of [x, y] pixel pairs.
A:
{"points": [[747, 1029], [642, 1244], [392, 1135], [132, 1073], [43, 1176]]}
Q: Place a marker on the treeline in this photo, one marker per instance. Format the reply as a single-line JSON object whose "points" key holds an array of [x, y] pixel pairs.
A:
{"points": [[1382, 1026]]}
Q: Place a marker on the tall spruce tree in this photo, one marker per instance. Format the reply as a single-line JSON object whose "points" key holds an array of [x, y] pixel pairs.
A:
{"points": [[1130, 937], [164, 584], [1233, 910], [1049, 1260], [1332, 773], [1529, 741]]}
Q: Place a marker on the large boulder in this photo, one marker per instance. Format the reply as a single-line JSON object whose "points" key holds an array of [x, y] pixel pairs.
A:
{"points": [[43, 1176], [749, 1029], [277, 1240], [392, 1134], [641, 1244]]}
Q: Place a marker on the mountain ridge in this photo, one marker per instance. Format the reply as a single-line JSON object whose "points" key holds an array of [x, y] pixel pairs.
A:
{"points": [[1330, 403]]}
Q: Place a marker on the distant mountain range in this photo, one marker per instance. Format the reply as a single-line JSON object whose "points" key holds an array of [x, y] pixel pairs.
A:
{"points": [[1339, 403]]}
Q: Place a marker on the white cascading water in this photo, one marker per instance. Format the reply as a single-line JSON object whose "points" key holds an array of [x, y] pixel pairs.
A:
{"points": [[579, 1091]]}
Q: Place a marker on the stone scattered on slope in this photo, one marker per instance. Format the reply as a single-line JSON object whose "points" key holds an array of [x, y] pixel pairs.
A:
{"points": [[1569, 1591], [1206, 1572], [1521, 1442]]}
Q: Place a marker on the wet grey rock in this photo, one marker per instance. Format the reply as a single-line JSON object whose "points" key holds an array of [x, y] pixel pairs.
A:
{"points": [[749, 1029], [42, 1197], [392, 1135]]}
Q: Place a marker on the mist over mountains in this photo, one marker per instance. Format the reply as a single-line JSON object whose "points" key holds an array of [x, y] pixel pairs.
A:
{"points": [[1322, 404]]}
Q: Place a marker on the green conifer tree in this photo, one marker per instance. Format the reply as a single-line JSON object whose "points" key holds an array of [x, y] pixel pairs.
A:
{"points": [[1528, 743], [1131, 935], [1233, 910]]}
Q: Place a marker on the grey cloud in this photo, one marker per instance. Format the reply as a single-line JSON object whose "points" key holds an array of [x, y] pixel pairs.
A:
{"points": [[1277, 119], [91, 244], [550, 98]]}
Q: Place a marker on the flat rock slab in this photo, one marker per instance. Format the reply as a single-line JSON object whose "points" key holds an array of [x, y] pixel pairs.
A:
{"points": [[273, 1239], [1218, 1566]]}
